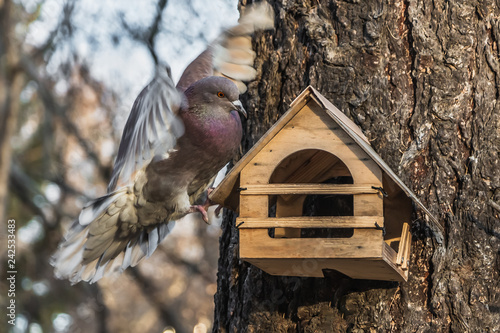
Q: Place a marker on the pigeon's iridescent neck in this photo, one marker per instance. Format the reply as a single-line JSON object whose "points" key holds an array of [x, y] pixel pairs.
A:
{"points": [[219, 134]]}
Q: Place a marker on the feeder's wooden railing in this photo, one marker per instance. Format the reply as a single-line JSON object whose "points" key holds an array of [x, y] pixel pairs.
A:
{"points": [[311, 222], [276, 189], [404, 247]]}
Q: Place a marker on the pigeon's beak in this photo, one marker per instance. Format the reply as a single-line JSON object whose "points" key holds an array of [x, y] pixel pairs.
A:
{"points": [[239, 107]]}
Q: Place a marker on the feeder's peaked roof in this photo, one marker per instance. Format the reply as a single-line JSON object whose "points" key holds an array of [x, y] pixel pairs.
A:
{"points": [[229, 183]]}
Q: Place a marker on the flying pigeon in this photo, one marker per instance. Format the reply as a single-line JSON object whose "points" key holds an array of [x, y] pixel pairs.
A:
{"points": [[175, 141]]}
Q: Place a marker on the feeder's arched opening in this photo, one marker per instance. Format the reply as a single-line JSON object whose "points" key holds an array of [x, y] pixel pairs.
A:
{"points": [[311, 166]]}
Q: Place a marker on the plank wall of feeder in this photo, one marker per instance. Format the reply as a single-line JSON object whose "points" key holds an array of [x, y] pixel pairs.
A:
{"points": [[313, 248], [355, 268]]}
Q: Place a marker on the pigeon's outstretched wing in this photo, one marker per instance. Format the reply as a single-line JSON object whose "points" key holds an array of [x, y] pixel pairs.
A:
{"points": [[151, 130], [128, 223], [231, 54]]}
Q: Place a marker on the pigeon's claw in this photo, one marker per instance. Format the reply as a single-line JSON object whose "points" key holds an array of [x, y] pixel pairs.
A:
{"points": [[217, 210], [203, 211], [203, 208]]}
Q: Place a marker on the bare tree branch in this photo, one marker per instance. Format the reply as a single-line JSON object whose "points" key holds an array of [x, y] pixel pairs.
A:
{"points": [[192, 268], [64, 27], [147, 36], [25, 189], [60, 111], [147, 287], [154, 29], [103, 311]]}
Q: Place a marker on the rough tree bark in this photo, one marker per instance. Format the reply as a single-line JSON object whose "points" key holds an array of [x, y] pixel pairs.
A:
{"points": [[422, 79]]}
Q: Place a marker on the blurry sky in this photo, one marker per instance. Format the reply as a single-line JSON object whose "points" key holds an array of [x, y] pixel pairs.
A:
{"points": [[121, 62]]}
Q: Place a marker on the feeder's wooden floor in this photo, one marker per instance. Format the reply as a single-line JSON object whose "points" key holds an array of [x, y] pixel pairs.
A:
{"points": [[383, 268]]}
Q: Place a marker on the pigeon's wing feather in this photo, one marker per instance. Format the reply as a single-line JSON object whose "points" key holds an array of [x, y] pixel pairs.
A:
{"points": [[151, 130], [231, 54], [198, 69]]}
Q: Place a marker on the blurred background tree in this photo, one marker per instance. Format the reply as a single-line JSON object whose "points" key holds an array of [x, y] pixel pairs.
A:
{"points": [[69, 73]]}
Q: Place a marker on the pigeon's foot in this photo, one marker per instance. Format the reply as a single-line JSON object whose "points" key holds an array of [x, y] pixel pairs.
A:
{"points": [[203, 211], [203, 208]]}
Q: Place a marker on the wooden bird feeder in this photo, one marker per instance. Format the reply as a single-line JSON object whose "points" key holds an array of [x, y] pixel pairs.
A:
{"points": [[312, 195]]}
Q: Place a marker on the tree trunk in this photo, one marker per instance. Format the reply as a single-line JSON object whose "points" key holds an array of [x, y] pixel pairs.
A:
{"points": [[421, 78], [10, 87]]}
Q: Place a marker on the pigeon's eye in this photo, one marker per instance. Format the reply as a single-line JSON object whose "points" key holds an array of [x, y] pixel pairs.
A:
{"points": [[221, 94]]}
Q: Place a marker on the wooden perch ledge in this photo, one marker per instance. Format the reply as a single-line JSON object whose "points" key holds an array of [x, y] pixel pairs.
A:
{"points": [[273, 189]]}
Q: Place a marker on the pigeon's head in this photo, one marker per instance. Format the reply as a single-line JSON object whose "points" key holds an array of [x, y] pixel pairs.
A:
{"points": [[215, 91]]}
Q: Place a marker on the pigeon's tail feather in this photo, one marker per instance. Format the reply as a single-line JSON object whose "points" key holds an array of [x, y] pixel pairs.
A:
{"points": [[233, 56], [106, 238]]}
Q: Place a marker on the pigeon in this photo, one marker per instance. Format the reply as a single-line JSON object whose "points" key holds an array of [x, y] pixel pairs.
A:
{"points": [[175, 141]]}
